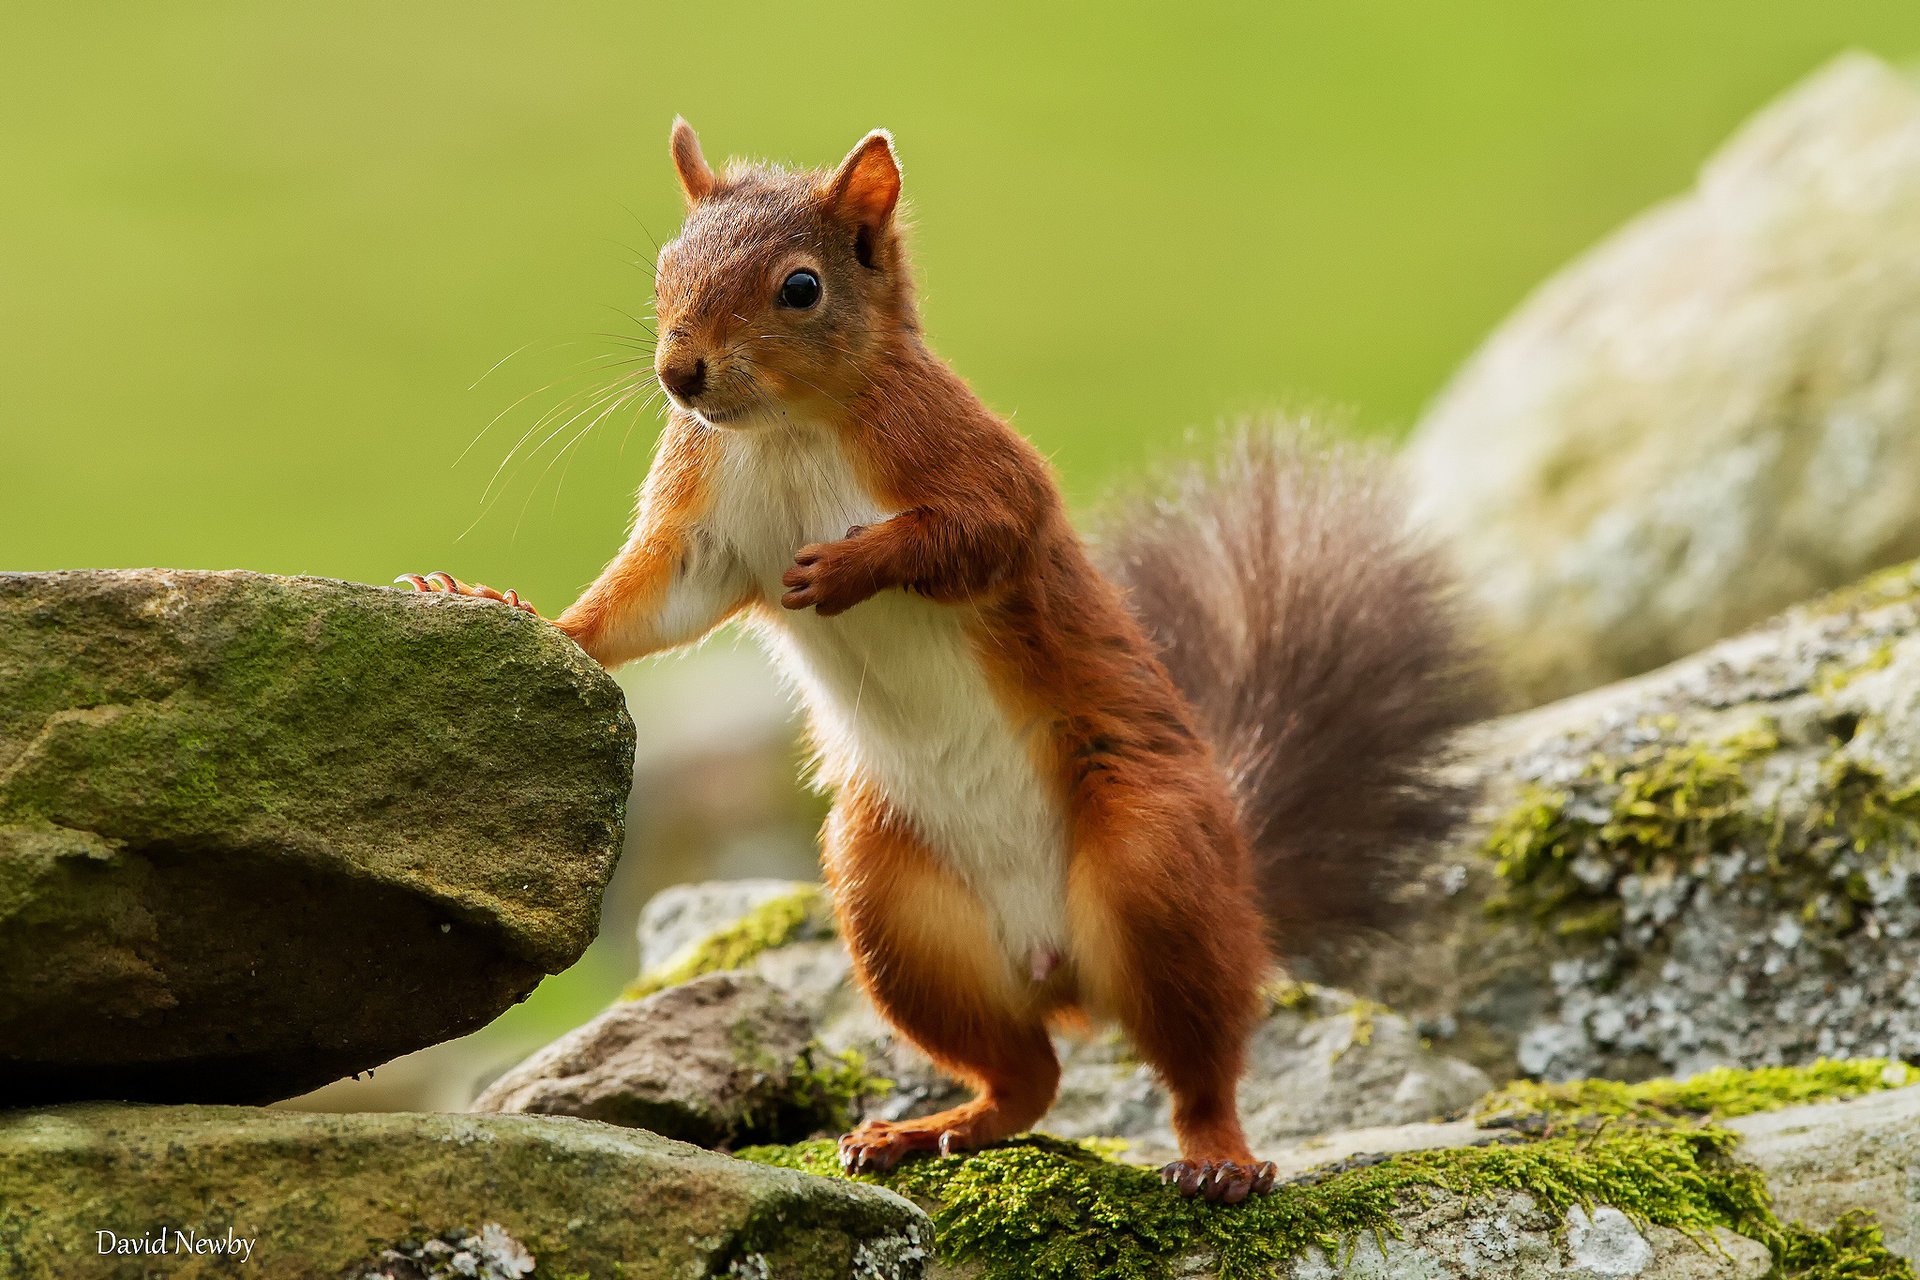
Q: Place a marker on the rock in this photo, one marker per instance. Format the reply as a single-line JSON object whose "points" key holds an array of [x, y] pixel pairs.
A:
{"points": [[1583, 1181], [1321, 1060], [257, 833], [678, 918], [1508, 1237], [1716, 863], [1711, 415], [371, 1195], [1827, 1159], [720, 1061]]}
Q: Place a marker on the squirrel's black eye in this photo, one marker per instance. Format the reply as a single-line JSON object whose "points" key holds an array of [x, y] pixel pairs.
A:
{"points": [[800, 290]]}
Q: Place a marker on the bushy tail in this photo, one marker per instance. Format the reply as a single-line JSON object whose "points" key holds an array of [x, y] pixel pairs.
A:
{"points": [[1316, 638]]}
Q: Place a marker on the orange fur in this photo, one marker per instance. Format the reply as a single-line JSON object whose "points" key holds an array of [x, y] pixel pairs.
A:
{"points": [[621, 616], [923, 951]]}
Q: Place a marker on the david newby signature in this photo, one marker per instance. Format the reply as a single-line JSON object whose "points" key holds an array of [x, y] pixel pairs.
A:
{"points": [[177, 1240]]}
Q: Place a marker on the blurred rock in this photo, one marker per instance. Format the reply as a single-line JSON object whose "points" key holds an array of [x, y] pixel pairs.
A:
{"points": [[257, 833], [1718, 863], [722, 1061], [1321, 1060], [678, 918], [380, 1195], [1713, 414]]}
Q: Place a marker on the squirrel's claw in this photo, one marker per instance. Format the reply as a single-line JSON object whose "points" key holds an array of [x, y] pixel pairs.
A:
{"points": [[440, 582], [879, 1145], [825, 578], [1223, 1181]]}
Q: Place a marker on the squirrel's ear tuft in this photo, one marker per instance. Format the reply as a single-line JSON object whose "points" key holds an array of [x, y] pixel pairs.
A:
{"points": [[696, 179], [866, 186]]}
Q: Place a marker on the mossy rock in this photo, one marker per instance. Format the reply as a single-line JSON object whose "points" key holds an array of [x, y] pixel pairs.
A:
{"points": [[1319, 1059], [722, 1061], [1715, 863], [1601, 1180], [258, 833], [327, 1195]]}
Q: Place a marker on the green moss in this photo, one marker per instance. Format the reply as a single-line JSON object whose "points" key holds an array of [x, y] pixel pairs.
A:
{"points": [[833, 1086], [1664, 805], [1043, 1208], [1897, 585], [1719, 1094], [1361, 1012], [1560, 853], [771, 924], [1860, 808], [1834, 677], [1046, 1208], [1852, 1249], [1283, 993]]}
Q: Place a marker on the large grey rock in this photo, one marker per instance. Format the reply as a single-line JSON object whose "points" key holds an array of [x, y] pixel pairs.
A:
{"points": [[722, 1061], [1711, 415], [257, 833], [360, 1195], [1825, 1159], [1320, 1061], [1718, 863]]}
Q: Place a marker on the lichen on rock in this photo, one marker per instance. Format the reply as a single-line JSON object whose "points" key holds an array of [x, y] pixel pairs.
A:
{"points": [[1718, 862]]}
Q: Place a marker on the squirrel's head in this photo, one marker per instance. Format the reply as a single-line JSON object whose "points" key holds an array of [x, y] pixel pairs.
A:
{"points": [[781, 287]]}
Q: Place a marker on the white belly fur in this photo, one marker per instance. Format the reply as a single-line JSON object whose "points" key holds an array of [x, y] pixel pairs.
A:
{"points": [[894, 686]]}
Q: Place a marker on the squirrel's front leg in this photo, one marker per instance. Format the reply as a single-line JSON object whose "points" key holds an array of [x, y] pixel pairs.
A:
{"points": [[661, 591], [944, 556]]}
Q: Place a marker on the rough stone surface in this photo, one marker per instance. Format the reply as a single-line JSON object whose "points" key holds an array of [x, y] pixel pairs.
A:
{"points": [[334, 1195], [1784, 922], [721, 1061], [257, 833], [1711, 415], [1321, 1060], [1509, 1237], [1824, 1159]]}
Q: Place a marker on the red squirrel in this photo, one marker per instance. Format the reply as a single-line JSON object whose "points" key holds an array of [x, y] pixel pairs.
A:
{"points": [[1054, 799]]}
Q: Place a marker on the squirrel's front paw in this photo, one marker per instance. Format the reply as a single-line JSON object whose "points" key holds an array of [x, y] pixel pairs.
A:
{"points": [[447, 584], [829, 577]]}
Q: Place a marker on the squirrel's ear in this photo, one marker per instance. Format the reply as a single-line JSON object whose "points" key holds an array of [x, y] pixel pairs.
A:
{"points": [[696, 179], [866, 186]]}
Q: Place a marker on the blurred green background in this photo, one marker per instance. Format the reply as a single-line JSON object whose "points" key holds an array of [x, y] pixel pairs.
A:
{"points": [[255, 257]]}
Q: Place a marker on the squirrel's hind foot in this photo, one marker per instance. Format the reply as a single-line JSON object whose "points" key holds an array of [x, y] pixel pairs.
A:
{"points": [[879, 1145], [1224, 1181]]}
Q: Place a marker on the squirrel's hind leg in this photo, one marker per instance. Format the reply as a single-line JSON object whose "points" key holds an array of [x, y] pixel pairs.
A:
{"points": [[925, 953], [1169, 943]]}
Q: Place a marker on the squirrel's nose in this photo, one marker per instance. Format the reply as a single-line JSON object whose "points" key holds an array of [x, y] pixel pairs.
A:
{"points": [[685, 380]]}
